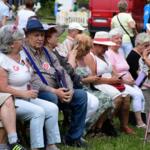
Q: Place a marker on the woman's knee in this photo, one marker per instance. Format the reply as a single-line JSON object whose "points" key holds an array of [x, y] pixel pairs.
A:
{"points": [[93, 102], [38, 112], [9, 102], [118, 100]]}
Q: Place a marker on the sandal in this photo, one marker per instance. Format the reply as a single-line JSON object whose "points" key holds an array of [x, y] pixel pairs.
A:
{"points": [[141, 126]]}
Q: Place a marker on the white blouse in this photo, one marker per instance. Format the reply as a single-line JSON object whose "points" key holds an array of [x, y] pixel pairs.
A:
{"points": [[19, 74]]}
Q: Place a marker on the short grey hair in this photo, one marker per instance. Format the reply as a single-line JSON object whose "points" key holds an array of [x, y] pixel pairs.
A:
{"points": [[142, 38], [115, 31], [122, 5], [8, 34]]}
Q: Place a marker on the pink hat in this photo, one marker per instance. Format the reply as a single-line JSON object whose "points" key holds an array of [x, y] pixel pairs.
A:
{"points": [[103, 38]]}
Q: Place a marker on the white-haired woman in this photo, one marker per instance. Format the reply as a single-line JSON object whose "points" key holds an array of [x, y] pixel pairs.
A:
{"points": [[121, 67], [127, 23], [15, 75]]}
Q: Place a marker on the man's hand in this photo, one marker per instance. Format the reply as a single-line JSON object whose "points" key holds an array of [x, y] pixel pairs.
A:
{"points": [[64, 94]]}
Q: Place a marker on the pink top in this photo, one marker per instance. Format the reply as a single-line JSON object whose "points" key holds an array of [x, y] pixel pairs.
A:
{"points": [[119, 63]]}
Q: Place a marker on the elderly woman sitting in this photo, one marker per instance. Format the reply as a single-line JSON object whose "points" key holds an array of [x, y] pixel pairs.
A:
{"points": [[76, 59], [100, 66], [15, 75], [121, 67]]}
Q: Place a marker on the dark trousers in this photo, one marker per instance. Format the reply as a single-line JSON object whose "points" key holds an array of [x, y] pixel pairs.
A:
{"points": [[78, 106]]}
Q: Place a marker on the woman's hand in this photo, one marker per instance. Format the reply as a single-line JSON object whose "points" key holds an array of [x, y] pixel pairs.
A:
{"points": [[29, 94], [129, 82], [146, 53], [115, 80], [72, 58], [91, 79]]}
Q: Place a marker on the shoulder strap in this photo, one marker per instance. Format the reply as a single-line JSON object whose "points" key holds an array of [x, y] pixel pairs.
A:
{"points": [[122, 26], [95, 61], [60, 75], [35, 66]]}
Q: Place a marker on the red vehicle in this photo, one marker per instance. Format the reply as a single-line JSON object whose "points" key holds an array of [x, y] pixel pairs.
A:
{"points": [[101, 13]]}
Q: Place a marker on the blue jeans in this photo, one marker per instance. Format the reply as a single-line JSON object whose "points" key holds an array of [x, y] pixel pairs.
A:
{"points": [[41, 114], [48, 96], [78, 105]]}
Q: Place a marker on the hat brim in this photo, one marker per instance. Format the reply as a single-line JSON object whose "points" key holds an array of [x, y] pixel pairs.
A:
{"points": [[47, 26], [107, 43], [80, 29], [60, 29], [32, 30]]}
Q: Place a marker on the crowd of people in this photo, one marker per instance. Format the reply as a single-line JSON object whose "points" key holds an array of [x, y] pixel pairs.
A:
{"points": [[91, 81]]}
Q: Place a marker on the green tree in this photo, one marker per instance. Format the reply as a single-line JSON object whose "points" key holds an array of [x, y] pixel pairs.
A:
{"points": [[47, 8], [82, 1]]}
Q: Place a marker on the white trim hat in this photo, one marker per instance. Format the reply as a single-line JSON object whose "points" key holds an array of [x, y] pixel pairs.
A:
{"points": [[103, 38], [47, 26], [75, 25]]}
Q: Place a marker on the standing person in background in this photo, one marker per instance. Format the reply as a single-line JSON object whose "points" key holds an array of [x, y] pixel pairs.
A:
{"points": [[24, 14], [127, 23], [74, 29], [146, 16], [4, 12]]}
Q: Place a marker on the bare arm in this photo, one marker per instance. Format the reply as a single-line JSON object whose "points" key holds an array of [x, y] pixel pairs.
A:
{"points": [[4, 87], [90, 62], [4, 20]]}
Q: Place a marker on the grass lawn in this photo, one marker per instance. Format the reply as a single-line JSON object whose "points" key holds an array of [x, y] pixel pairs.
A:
{"points": [[122, 142]]}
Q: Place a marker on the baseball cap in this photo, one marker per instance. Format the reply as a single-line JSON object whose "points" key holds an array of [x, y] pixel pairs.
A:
{"points": [[75, 25]]}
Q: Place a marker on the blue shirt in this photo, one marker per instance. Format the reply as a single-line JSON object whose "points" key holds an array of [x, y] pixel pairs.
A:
{"points": [[146, 14]]}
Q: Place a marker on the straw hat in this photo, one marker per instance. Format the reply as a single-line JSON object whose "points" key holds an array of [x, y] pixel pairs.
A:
{"points": [[103, 38]]}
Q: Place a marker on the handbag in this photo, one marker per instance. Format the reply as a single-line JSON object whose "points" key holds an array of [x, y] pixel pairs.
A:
{"points": [[141, 79], [132, 38], [120, 87]]}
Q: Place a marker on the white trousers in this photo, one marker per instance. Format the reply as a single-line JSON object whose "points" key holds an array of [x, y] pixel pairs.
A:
{"points": [[138, 100]]}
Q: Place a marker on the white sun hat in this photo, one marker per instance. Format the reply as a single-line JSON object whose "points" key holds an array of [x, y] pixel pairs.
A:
{"points": [[103, 38], [47, 26], [75, 25]]}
